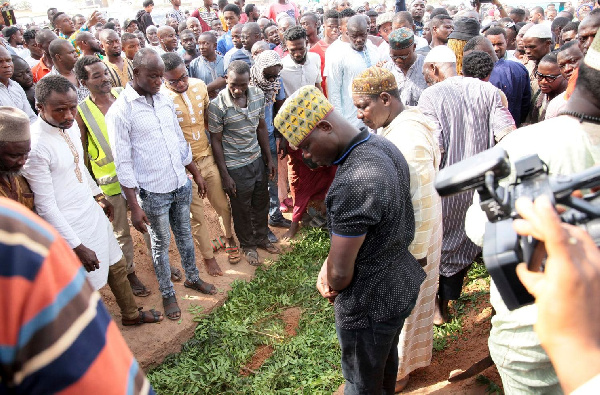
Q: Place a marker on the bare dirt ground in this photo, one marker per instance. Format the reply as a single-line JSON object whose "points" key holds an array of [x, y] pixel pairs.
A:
{"points": [[151, 343]]}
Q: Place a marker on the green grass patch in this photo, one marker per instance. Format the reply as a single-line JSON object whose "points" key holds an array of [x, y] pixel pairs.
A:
{"points": [[226, 339], [476, 284]]}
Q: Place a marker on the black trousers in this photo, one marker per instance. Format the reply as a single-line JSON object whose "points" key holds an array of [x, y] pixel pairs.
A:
{"points": [[450, 287], [250, 205]]}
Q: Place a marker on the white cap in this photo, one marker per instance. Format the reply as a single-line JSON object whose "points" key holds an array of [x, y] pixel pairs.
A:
{"points": [[440, 54], [538, 31]]}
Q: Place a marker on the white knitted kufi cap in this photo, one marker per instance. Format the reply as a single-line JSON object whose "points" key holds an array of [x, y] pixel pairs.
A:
{"points": [[538, 31], [440, 54]]}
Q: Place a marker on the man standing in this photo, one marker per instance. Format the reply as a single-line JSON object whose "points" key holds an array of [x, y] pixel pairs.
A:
{"points": [[369, 272], [191, 101], [236, 38], [406, 65], [15, 144], [537, 42], [151, 156], [252, 12], [331, 32], [569, 57], [13, 36], [206, 15], [536, 15], [35, 51], [340, 70], [449, 102], [417, 11], [22, 76], [68, 198], [376, 96], [152, 36], [144, 17], [176, 13], [208, 67], [64, 57], [193, 24], [509, 76], [119, 67], [231, 14], [240, 144], [89, 45], [300, 67], [250, 35], [67, 30], [441, 26], [130, 44], [11, 93], [43, 38], [94, 75], [190, 46]]}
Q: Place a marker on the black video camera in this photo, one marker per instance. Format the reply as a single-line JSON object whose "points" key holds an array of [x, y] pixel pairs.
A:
{"points": [[503, 248]]}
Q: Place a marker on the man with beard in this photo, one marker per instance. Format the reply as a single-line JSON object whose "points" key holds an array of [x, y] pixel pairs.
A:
{"points": [[15, 144], [120, 68], [167, 36], [406, 65], [191, 106], [89, 45], [536, 42], [569, 57], [300, 67], [189, 45], [208, 67], [22, 76], [441, 26], [11, 93], [130, 44], [14, 37], [358, 54], [68, 198], [552, 84]]}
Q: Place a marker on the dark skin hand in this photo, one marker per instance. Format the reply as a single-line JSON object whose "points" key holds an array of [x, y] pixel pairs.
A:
{"points": [[338, 269], [107, 207], [282, 148], [87, 257]]}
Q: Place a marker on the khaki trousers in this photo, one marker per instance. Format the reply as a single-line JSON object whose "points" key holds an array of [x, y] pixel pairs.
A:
{"points": [[218, 200], [120, 287], [122, 231]]}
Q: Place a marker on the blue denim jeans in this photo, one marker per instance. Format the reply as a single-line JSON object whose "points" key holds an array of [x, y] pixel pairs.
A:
{"points": [[370, 356], [274, 211], [166, 212]]}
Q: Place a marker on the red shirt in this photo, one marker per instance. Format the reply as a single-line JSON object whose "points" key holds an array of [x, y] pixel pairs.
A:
{"points": [[319, 48], [39, 70]]}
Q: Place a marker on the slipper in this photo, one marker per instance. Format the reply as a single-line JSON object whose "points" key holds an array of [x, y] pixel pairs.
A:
{"points": [[201, 286], [270, 248], [171, 307], [156, 315], [252, 257], [176, 274], [221, 241], [233, 254]]}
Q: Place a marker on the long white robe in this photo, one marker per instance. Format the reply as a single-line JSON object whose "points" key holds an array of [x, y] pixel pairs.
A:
{"points": [[66, 203]]}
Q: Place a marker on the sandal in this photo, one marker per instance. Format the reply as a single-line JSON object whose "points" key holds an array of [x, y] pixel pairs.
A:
{"points": [[233, 254], [176, 274], [171, 307], [156, 317], [252, 257], [217, 243], [201, 286], [270, 248]]}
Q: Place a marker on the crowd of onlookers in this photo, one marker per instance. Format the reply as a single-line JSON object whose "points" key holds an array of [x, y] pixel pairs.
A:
{"points": [[104, 122]]}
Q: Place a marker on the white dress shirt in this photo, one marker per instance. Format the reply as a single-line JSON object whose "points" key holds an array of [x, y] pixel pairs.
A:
{"points": [[147, 142], [65, 202], [14, 96], [295, 76]]}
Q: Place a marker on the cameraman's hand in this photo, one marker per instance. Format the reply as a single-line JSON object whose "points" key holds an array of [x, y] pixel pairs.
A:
{"points": [[567, 293]]}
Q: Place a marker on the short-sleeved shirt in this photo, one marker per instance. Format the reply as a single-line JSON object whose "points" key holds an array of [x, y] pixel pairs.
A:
{"points": [[289, 8], [295, 76], [40, 70], [207, 71], [224, 43], [238, 125], [269, 109], [189, 109], [370, 196], [120, 78]]}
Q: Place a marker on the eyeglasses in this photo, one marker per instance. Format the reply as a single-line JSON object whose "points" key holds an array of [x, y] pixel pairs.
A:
{"points": [[183, 78], [403, 57], [547, 77]]}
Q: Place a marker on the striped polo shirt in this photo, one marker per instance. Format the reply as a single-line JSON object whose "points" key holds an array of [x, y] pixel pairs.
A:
{"points": [[238, 125], [56, 335]]}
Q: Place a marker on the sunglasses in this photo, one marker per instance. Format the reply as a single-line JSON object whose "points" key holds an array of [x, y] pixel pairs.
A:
{"points": [[403, 57], [547, 77]]}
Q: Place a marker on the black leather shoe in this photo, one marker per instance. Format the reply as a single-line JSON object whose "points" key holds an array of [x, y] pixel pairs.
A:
{"points": [[280, 223]]}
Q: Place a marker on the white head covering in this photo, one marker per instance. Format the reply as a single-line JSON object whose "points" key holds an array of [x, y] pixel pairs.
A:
{"points": [[538, 31], [440, 54], [14, 125]]}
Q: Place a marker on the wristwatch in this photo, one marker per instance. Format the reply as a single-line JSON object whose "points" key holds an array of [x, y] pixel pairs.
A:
{"points": [[99, 197]]}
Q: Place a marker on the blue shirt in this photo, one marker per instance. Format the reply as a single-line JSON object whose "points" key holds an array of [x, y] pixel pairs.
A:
{"points": [[269, 117], [513, 79], [207, 71], [224, 43]]}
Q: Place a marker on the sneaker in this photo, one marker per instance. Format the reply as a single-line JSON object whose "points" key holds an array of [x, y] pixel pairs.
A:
{"points": [[280, 223], [271, 236]]}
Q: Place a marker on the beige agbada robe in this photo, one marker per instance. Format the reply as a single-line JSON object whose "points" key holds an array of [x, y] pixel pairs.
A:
{"points": [[414, 135]]}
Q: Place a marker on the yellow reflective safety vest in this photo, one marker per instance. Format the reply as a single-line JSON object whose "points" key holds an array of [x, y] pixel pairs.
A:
{"points": [[98, 148]]}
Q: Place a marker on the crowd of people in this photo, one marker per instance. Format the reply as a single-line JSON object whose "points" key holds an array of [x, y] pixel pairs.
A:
{"points": [[341, 116]]}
